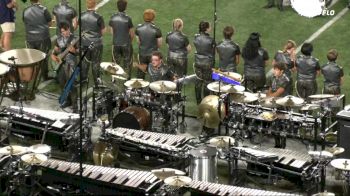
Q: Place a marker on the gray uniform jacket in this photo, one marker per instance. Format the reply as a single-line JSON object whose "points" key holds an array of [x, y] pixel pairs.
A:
{"points": [[148, 34], [92, 24], [121, 24], [36, 20], [307, 67]]}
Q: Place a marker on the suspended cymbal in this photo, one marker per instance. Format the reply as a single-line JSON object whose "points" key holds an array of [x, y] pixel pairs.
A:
{"points": [[244, 97], [268, 116], [234, 75], [290, 101], [40, 149], [164, 173], [309, 107], [222, 141], [260, 95], [336, 150], [208, 111], [13, 150], [112, 68], [342, 164], [33, 158], [163, 86], [136, 83], [177, 180], [22, 57], [321, 96], [224, 88], [320, 154], [269, 102]]}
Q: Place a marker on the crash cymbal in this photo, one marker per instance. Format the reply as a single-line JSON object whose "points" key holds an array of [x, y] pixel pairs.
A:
{"points": [[4, 69], [336, 150], [33, 158], [208, 111], [269, 102], [309, 107], [320, 154], [177, 180], [167, 172], [234, 75], [342, 164], [244, 97], [260, 95], [40, 149], [112, 68], [13, 150], [118, 77], [321, 96], [290, 101], [214, 86], [222, 141], [23, 57], [163, 86], [136, 83]]}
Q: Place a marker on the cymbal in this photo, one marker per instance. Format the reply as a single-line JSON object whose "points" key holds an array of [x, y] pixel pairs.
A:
{"points": [[321, 96], [260, 95], [269, 102], [164, 173], [3, 69], [112, 68], [320, 154], [23, 57], [342, 164], [208, 111], [235, 75], [324, 194], [244, 97], [13, 150], [290, 101], [222, 141], [118, 77], [309, 107], [40, 148], [33, 158], [224, 88], [268, 116], [136, 83], [177, 180], [163, 86], [336, 150]]}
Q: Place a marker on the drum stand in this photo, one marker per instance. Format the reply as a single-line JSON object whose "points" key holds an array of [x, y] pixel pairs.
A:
{"points": [[14, 69]]}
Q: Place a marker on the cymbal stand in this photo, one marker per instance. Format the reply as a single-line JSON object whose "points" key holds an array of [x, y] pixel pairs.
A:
{"points": [[13, 67], [182, 124]]}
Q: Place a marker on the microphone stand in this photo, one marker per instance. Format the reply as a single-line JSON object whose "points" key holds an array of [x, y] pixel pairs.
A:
{"points": [[80, 102]]}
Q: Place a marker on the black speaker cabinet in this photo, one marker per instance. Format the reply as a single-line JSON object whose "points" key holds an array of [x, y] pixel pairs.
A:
{"points": [[343, 138]]}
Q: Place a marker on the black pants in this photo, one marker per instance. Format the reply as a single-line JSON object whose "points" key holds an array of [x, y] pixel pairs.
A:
{"points": [[306, 88], [44, 46], [122, 55], [203, 73], [334, 90], [92, 59], [279, 3], [179, 65], [143, 60], [255, 82]]}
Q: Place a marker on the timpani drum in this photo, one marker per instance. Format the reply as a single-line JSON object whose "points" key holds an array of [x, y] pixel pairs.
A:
{"points": [[26, 65]]}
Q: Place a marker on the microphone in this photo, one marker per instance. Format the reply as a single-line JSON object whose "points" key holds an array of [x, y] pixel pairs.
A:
{"points": [[12, 58]]}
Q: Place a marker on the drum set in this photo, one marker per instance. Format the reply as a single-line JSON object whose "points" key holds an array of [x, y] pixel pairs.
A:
{"points": [[139, 104], [20, 68], [17, 173]]}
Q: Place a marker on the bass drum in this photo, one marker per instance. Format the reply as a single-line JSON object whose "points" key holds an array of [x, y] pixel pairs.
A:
{"points": [[133, 117]]}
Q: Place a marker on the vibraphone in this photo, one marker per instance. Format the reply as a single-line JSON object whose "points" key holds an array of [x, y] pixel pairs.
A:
{"points": [[99, 180], [169, 145], [287, 163], [208, 188]]}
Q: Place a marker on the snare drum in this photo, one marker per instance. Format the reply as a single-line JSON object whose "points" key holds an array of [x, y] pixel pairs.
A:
{"points": [[203, 164], [133, 117]]}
